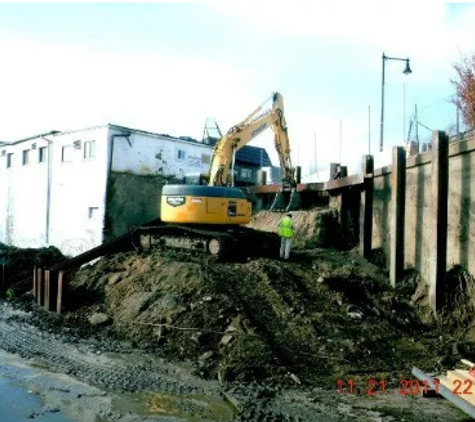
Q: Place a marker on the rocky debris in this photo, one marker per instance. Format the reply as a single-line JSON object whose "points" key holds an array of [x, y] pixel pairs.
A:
{"points": [[98, 318]]}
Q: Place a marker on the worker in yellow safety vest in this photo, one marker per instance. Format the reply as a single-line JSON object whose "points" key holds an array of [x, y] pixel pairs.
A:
{"points": [[286, 233]]}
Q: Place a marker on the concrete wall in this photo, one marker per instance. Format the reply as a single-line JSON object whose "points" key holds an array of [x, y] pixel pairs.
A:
{"points": [[141, 164], [461, 235], [381, 212], [131, 201], [154, 154], [78, 191], [461, 209]]}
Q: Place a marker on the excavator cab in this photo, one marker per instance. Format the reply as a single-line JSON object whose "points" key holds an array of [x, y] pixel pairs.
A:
{"points": [[196, 179]]}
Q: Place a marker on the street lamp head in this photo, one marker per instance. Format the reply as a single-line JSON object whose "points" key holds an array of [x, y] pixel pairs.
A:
{"points": [[407, 69]]}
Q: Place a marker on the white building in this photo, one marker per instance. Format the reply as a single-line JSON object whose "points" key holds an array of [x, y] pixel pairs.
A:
{"points": [[73, 190]]}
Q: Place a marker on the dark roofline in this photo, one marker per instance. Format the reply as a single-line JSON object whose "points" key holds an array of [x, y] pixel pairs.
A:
{"points": [[185, 139], [30, 138]]}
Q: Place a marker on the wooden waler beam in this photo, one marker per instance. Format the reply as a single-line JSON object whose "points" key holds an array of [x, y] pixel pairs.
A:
{"points": [[274, 188], [344, 182]]}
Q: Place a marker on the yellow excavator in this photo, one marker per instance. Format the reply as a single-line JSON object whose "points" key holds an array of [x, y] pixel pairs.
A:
{"points": [[208, 212], [219, 202]]}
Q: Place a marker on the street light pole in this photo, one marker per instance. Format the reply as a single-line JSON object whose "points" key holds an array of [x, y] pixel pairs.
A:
{"points": [[407, 71], [381, 129]]}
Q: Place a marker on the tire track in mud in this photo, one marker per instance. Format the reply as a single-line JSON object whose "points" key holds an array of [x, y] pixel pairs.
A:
{"points": [[60, 356], [19, 336], [75, 356]]}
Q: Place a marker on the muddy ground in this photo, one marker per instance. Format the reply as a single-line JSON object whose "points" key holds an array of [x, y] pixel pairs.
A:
{"points": [[259, 340], [97, 379]]}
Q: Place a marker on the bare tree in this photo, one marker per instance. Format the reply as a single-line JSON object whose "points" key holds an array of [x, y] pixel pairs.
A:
{"points": [[451, 129], [465, 89]]}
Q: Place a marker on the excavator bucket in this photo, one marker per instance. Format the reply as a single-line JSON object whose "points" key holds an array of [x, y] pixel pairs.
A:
{"points": [[286, 201]]}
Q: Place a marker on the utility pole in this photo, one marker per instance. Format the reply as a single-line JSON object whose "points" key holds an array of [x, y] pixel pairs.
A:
{"points": [[458, 121], [369, 130], [341, 138], [315, 147], [404, 111], [298, 153], [416, 118]]}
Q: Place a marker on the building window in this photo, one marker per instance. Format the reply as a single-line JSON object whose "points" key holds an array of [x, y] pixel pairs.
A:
{"points": [[26, 157], [246, 173], [181, 154], [92, 212], [42, 154], [9, 159], [66, 153], [89, 149], [205, 158]]}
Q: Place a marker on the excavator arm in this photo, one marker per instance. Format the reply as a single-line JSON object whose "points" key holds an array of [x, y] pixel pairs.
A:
{"points": [[244, 132]]}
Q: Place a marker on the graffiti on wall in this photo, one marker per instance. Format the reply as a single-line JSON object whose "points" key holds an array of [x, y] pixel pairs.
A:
{"points": [[194, 161]]}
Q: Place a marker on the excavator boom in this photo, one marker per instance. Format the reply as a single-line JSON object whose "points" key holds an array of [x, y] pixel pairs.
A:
{"points": [[244, 132]]}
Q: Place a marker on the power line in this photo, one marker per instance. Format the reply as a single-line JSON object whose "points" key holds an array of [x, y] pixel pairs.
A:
{"points": [[441, 100]]}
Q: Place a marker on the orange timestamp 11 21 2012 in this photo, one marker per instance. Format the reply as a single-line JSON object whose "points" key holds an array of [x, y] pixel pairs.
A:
{"points": [[374, 387]]}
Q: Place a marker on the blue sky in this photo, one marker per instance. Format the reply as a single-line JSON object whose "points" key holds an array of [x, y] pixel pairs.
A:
{"points": [[167, 67]]}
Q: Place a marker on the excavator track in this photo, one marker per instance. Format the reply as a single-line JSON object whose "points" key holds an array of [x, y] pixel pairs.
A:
{"points": [[232, 244], [225, 245]]}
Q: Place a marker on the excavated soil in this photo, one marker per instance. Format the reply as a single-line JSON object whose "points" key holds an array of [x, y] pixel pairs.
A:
{"points": [[19, 264], [324, 316], [313, 228], [144, 327], [271, 337]]}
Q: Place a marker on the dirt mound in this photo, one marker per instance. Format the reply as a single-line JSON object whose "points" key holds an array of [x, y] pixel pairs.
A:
{"points": [[19, 263], [313, 228], [324, 316]]}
